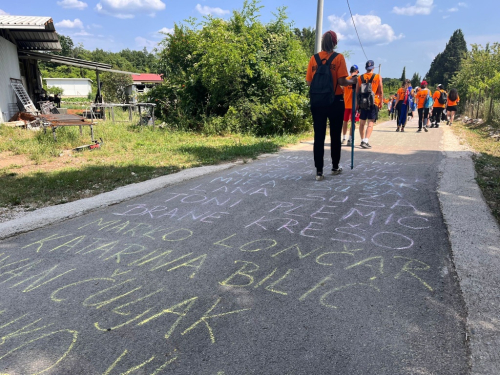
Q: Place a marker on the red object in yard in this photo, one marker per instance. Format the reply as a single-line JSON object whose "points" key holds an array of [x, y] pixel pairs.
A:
{"points": [[147, 77]]}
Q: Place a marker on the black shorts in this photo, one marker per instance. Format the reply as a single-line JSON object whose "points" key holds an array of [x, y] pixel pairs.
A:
{"points": [[452, 108], [369, 114]]}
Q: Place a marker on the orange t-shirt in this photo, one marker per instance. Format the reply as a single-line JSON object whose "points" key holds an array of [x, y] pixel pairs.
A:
{"points": [[400, 95], [375, 84], [436, 96], [421, 96], [338, 68], [452, 103], [348, 96]]}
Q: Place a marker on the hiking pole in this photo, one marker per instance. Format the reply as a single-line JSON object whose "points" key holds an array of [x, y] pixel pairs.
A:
{"points": [[353, 123]]}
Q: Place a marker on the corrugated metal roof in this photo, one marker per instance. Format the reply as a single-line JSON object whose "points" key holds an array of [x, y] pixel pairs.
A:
{"points": [[147, 77], [26, 22]]}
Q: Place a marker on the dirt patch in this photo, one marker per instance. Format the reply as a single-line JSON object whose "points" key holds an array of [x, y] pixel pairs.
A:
{"points": [[20, 164]]}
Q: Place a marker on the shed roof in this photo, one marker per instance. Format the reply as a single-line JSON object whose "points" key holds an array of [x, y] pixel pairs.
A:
{"points": [[69, 79], [147, 77], [30, 33]]}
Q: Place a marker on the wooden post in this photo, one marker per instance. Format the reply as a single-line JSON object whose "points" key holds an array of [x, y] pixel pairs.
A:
{"points": [[490, 111], [130, 113], [113, 113], [478, 100], [140, 115]]}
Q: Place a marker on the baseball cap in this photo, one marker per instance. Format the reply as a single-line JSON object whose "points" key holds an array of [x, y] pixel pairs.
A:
{"points": [[423, 83], [354, 68], [370, 65], [440, 85]]}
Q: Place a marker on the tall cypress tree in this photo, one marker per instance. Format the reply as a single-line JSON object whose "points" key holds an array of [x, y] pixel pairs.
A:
{"points": [[403, 76], [415, 80], [447, 63]]}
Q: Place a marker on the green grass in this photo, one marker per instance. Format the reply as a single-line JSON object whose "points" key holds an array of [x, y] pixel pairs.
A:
{"points": [[487, 161], [129, 154]]}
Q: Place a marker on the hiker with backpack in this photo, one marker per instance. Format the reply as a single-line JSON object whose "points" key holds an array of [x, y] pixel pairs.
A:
{"points": [[348, 105], [451, 109], [369, 85], [440, 98], [402, 106], [424, 103], [326, 74]]}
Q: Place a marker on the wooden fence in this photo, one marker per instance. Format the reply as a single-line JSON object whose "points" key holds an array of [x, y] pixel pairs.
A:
{"points": [[482, 105]]}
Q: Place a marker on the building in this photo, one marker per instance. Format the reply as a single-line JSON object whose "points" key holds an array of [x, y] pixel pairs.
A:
{"points": [[73, 87], [24, 41], [141, 84]]}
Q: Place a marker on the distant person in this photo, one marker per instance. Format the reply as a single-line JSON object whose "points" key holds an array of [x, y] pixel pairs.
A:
{"points": [[440, 99], [401, 96], [393, 106], [451, 109], [334, 109], [348, 106], [369, 113], [423, 112]]}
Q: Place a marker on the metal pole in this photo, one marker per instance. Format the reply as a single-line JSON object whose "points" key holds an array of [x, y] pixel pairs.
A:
{"points": [[379, 68], [319, 27]]}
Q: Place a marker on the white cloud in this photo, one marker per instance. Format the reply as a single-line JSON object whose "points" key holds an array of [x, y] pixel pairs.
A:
{"points": [[82, 33], [445, 17], [129, 8], [143, 42], [3, 13], [72, 4], [206, 10], [463, 5], [165, 30], [68, 24], [421, 7], [451, 10], [370, 29]]}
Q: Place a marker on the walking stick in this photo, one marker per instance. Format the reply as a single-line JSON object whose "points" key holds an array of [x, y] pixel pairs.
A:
{"points": [[353, 123]]}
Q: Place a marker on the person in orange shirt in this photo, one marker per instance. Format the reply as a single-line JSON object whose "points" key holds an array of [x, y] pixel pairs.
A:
{"points": [[348, 105], [334, 112], [372, 113], [438, 108], [400, 97], [451, 109], [423, 113]]}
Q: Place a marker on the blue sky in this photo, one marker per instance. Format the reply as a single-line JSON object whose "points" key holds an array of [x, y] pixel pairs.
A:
{"points": [[393, 33]]}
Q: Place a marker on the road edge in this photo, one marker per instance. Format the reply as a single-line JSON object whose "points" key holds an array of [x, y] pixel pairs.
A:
{"points": [[474, 235]]}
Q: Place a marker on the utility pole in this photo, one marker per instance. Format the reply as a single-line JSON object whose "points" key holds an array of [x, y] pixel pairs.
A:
{"points": [[319, 27], [379, 66]]}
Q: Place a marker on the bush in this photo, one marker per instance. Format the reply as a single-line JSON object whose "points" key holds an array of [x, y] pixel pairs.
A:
{"points": [[54, 90], [235, 75]]}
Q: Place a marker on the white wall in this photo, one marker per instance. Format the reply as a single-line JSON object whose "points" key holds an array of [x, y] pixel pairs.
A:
{"points": [[9, 68], [71, 87]]}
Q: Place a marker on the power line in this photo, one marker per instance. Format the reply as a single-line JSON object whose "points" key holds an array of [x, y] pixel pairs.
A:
{"points": [[352, 18]]}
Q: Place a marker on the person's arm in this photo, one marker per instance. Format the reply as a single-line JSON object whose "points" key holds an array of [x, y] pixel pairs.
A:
{"points": [[380, 90], [308, 83], [343, 81]]}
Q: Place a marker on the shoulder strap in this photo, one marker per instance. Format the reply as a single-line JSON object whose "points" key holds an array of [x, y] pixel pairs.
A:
{"points": [[371, 79], [363, 78], [317, 58], [331, 58]]}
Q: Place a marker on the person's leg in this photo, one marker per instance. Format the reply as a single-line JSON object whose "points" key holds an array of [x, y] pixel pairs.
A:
{"points": [[433, 119], [345, 125], [439, 113], [335, 117], [452, 116], [426, 118], [420, 118], [319, 115]]}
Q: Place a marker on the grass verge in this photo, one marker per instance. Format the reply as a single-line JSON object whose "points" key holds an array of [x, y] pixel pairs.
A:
{"points": [[51, 174], [486, 161]]}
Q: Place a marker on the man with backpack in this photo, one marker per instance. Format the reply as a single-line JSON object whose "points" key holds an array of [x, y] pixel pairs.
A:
{"points": [[440, 98], [369, 85], [326, 74]]}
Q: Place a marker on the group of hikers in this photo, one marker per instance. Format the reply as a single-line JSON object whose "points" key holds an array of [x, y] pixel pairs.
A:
{"points": [[431, 108], [331, 95]]}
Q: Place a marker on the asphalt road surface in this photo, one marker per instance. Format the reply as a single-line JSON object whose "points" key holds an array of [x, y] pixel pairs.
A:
{"points": [[258, 269]]}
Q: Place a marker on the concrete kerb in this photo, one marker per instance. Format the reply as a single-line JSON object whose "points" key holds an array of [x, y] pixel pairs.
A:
{"points": [[475, 241]]}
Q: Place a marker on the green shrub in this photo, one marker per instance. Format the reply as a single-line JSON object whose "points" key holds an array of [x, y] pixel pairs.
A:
{"points": [[236, 75]]}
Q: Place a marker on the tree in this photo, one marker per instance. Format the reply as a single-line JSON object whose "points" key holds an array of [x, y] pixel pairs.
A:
{"points": [[307, 37], [415, 80], [447, 63], [67, 45], [403, 76], [114, 87]]}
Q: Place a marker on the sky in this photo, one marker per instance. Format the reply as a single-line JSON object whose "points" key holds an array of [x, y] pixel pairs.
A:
{"points": [[395, 34]]}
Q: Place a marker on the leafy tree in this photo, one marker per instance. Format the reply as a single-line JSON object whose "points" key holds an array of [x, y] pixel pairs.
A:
{"points": [[415, 80], [234, 75], [447, 63], [67, 45], [114, 87], [307, 37], [403, 76]]}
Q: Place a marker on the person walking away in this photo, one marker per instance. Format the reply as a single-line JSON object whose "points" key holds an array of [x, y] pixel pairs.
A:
{"points": [[423, 111], [348, 105], [400, 97], [372, 85], [440, 98], [393, 106], [451, 109], [327, 103]]}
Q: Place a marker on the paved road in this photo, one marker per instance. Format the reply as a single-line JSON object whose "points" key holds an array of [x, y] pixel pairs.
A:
{"points": [[257, 269]]}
